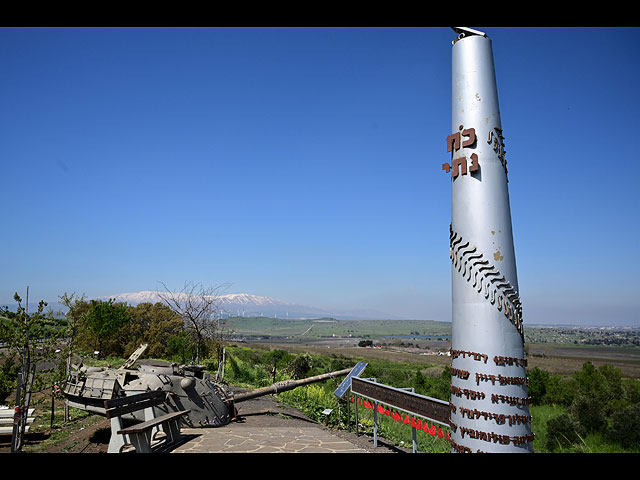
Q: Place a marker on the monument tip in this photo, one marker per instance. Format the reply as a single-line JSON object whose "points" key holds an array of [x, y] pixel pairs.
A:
{"points": [[465, 31]]}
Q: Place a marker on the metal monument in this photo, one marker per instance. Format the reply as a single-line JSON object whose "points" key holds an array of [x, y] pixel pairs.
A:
{"points": [[187, 387], [489, 395]]}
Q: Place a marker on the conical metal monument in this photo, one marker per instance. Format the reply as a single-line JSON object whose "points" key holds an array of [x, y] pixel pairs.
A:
{"points": [[489, 393]]}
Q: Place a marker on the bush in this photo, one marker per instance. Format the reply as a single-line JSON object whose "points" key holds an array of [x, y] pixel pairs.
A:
{"points": [[8, 377], [599, 394], [181, 347], [244, 372], [300, 366], [274, 359], [559, 391], [440, 387], [625, 427], [312, 400], [631, 387], [588, 411], [562, 431], [601, 403], [538, 381]]}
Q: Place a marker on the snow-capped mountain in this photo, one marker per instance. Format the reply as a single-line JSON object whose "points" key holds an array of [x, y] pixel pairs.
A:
{"points": [[243, 304]]}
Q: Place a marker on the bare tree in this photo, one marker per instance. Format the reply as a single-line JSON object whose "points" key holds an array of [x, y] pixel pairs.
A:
{"points": [[199, 307]]}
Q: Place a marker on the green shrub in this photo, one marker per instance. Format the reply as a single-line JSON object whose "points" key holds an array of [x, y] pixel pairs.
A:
{"points": [[440, 387], [562, 431], [625, 427], [311, 400], [631, 389], [538, 381], [588, 412], [559, 391], [8, 378], [241, 372], [181, 347], [300, 366]]}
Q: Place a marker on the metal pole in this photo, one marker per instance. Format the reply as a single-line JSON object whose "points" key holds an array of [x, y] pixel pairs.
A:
{"points": [[375, 424], [355, 412], [15, 436], [53, 404], [287, 385], [414, 439], [27, 402], [489, 397]]}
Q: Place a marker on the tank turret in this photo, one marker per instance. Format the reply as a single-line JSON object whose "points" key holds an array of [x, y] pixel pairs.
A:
{"points": [[187, 387]]}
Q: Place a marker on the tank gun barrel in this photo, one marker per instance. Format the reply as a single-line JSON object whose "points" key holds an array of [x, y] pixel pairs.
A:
{"points": [[286, 385]]}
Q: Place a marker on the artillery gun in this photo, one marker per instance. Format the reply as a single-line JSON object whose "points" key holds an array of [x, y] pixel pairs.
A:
{"points": [[187, 387]]}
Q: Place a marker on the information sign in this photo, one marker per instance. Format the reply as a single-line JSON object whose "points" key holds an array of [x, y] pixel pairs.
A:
{"points": [[431, 408], [346, 383]]}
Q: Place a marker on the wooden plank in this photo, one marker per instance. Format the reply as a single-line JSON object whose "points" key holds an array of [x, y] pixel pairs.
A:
{"points": [[431, 408], [121, 406], [119, 401], [133, 407], [9, 430], [141, 427], [9, 421], [9, 412]]}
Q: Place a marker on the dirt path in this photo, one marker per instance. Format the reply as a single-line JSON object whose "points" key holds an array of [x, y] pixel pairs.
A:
{"points": [[87, 435]]}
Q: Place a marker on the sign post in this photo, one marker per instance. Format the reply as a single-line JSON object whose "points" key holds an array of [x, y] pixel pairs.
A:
{"points": [[413, 403], [416, 407], [344, 387]]}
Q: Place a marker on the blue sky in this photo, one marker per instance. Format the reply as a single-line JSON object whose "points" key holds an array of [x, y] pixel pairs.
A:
{"points": [[305, 164]]}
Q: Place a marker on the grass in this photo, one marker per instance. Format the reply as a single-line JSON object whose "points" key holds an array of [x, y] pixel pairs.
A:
{"points": [[540, 415], [592, 443], [401, 434], [247, 368], [313, 399], [60, 431]]}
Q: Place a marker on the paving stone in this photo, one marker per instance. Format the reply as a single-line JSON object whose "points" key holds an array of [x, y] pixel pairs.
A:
{"points": [[265, 426], [232, 439]]}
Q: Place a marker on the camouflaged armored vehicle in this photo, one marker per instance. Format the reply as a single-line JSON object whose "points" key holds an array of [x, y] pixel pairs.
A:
{"points": [[187, 387]]}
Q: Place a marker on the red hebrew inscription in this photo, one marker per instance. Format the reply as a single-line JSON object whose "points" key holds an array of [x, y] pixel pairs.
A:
{"points": [[459, 166], [471, 133], [453, 140], [474, 163], [463, 138]]}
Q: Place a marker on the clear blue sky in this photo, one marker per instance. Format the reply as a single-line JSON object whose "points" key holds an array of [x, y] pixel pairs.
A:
{"points": [[305, 164]]}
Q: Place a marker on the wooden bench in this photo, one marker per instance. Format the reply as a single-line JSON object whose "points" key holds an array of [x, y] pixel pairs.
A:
{"points": [[7, 417], [142, 435]]}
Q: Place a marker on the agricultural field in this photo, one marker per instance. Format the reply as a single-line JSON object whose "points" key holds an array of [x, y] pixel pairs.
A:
{"points": [[561, 350], [564, 365], [557, 398], [331, 328]]}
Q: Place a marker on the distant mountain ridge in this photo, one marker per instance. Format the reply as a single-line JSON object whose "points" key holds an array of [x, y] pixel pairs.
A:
{"points": [[230, 299], [241, 304], [244, 304]]}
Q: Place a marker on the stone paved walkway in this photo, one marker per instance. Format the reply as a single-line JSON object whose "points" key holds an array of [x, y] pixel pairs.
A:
{"points": [[264, 425], [245, 439]]}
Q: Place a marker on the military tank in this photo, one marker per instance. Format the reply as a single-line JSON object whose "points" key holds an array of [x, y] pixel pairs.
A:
{"points": [[188, 387]]}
